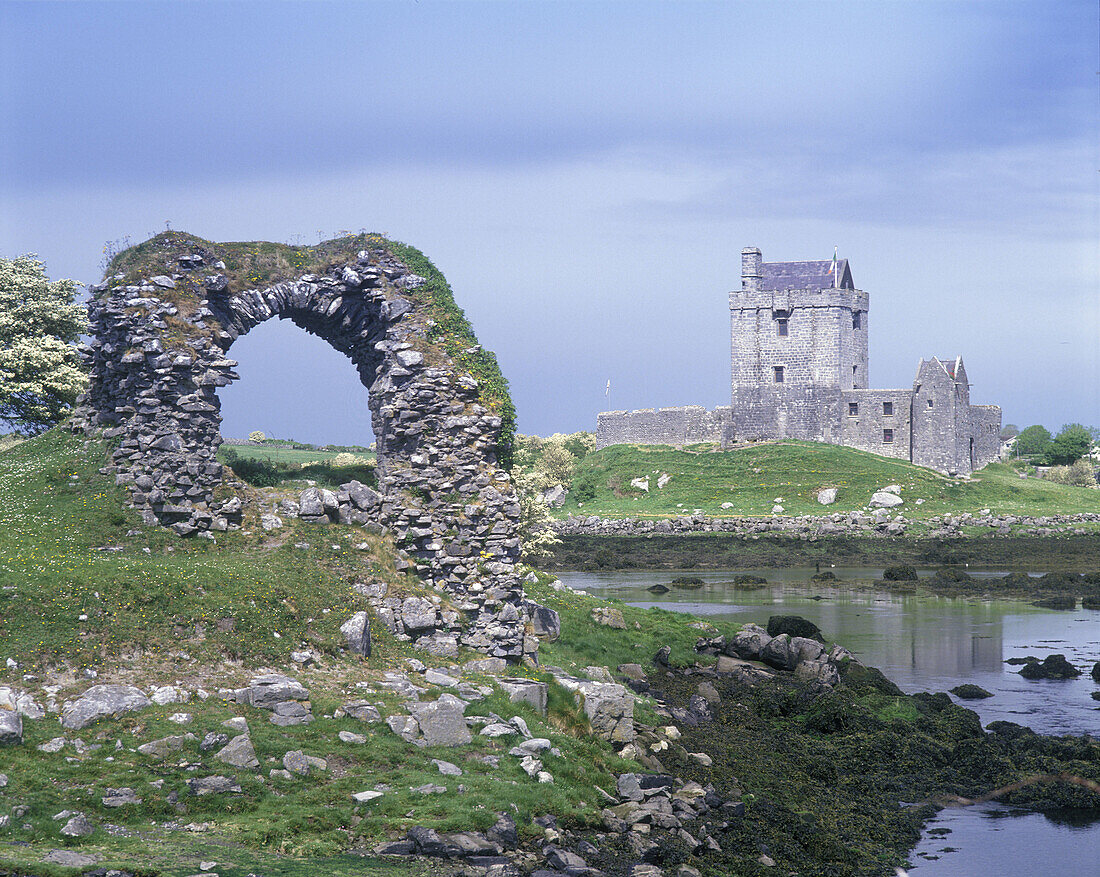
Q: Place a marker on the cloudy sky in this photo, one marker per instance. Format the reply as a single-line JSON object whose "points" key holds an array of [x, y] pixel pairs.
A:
{"points": [[586, 174]]}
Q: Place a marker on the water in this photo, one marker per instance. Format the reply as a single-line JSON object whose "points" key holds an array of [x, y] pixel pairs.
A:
{"points": [[927, 643]]}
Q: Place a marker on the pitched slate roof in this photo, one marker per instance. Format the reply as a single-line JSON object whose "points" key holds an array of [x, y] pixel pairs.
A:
{"points": [[805, 275]]}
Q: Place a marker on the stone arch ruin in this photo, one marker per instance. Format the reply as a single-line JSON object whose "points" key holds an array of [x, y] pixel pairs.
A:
{"points": [[162, 331]]}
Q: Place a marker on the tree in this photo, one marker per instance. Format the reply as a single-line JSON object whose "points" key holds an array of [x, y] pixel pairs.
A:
{"points": [[1009, 430], [40, 372], [535, 531], [1033, 440], [1072, 443]]}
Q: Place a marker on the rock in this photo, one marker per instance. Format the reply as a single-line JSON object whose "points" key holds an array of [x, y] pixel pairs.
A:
{"points": [[297, 763], [503, 832], [356, 631], [1052, 667], [640, 483], [662, 657], [212, 740], [405, 727], [270, 689], [608, 706], [366, 797], [361, 710], [527, 691], [883, 500], [365, 498], [632, 671], [102, 701], [970, 692], [901, 572], [1096, 671], [271, 522], [446, 768], [213, 785], [78, 826], [291, 712], [442, 722], [351, 737], [120, 797], [11, 727], [239, 753], [749, 642], [418, 614], [827, 495], [795, 625], [19, 702], [896, 490], [163, 747], [546, 622], [428, 789], [609, 616], [564, 860], [69, 858]]}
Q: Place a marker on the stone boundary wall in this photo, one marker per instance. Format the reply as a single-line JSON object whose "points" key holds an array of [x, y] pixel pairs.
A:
{"points": [[685, 425], [159, 355]]}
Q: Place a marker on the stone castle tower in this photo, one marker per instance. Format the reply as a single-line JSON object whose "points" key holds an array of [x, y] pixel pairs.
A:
{"points": [[799, 369]]}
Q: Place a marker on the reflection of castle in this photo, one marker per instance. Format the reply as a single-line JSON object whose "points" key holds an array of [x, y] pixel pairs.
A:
{"points": [[799, 369]]}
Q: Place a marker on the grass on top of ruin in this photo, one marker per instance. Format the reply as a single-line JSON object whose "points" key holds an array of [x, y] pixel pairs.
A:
{"points": [[755, 478]]}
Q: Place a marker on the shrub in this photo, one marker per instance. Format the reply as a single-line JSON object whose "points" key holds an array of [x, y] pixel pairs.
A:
{"points": [[1080, 474], [257, 436]]}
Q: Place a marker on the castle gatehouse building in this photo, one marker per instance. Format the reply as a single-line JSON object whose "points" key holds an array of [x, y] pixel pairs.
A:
{"points": [[799, 369]]}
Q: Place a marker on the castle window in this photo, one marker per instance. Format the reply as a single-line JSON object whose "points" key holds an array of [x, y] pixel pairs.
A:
{"points": [[781, 327], [857, 319], [887, 436], [888, 409], [778, 374], [853, 409], [929, 403]]}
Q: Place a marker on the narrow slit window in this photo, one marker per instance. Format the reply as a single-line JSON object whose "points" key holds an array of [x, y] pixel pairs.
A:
{"points": [[929, 403], [888, 409], [778, 374], [857, 319], [853, 409], [781, 327], [887, 436]]}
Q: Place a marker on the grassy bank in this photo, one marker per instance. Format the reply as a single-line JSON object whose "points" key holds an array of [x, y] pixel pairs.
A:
{"points": [[752, 479]]}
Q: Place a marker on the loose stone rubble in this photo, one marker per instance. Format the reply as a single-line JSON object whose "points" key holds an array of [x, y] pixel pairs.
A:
{"points": [[159, 355]]}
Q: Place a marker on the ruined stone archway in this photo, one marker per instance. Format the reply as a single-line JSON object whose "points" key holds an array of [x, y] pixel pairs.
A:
{"points": [[164, 323]]}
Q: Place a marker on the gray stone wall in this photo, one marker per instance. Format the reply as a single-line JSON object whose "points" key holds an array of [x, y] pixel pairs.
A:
{"points": [[156, 365], [685, 425], [865, 429], [985, 423], [800, 412], [941, 420]]}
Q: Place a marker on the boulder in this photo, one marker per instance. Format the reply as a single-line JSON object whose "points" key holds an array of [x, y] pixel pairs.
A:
{"points": [[77, 826], [365, 498], [827, 496], [609, 616], [608, 706], [546, 622], [748, 643], [356, 631], [418, 614], [901, 572], [1052, 667], [102, 701], [239, 752], [442, 721], [969, 691], [120, 797], [213, 785], [11, 727], [264, 692], [883, 500], [363, 710], [528, 691], [795, 625], [163, 747], [69, 858]]}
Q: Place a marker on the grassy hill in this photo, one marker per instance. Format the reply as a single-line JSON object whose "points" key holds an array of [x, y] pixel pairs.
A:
{"points": [[753, 479], [86, 589]]}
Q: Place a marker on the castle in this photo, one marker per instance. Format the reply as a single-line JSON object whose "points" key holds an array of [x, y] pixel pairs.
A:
{"points": [[799, 370]]}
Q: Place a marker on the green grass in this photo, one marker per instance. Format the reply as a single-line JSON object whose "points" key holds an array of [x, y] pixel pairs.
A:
{"points": [[753, 478], [153, 610]]}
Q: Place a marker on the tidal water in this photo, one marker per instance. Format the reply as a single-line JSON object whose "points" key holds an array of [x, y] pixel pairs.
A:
{"points": [[926, 643]]}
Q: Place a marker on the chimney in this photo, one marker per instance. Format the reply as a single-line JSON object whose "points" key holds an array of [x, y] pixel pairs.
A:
{"points": [[752, 268]]}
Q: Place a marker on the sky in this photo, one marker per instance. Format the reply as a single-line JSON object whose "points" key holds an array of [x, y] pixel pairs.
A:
{"points": [[586, 175]]}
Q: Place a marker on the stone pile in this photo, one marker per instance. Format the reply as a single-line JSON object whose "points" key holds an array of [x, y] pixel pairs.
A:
{"points": [[803, 656], [159, 355]]}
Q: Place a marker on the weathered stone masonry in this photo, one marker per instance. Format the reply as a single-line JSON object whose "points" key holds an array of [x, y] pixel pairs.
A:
{"points": [[799, 368], [159, 356]]}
